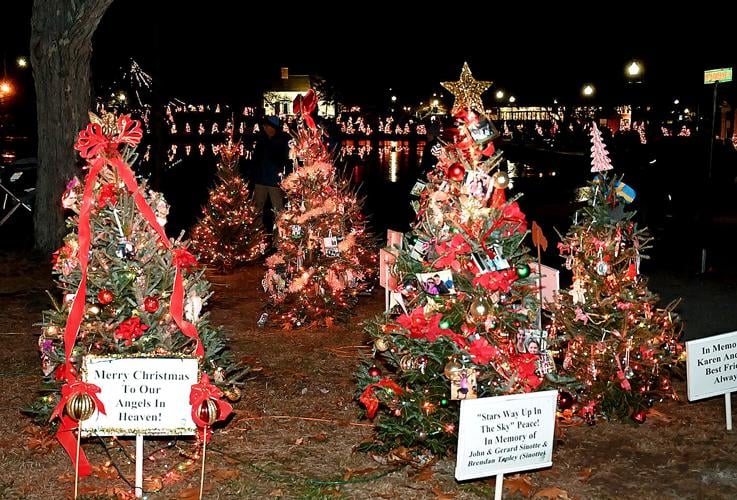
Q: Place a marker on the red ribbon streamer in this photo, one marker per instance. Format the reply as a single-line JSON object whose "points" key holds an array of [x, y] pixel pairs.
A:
{"points": [[199, 394], [370, 401], [92, 142], [306, 104], [64, 434]]}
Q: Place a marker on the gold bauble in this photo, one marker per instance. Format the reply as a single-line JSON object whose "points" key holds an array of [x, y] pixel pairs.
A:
{"points": [[501, 180], [407, 362], [80, 406], [381, 344], [208, 411], [479, 309], [233, 394], [452, 370]]}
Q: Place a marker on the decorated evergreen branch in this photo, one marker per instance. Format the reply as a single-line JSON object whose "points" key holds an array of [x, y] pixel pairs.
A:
{"points": [[325, 257], [227, 235], [124, 287], [617, 346], [465, 301]]}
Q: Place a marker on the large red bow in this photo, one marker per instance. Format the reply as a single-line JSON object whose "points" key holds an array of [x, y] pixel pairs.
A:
{"points": [[64, 433], [93, 141], [305, 105], [199, 394], [370, 401]]}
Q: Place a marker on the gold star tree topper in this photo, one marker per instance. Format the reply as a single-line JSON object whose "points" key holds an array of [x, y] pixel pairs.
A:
{"points": [[467, 91]]}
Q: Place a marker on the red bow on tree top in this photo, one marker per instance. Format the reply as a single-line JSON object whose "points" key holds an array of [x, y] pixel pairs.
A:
{"points": [[306, 105], [93, 142]]}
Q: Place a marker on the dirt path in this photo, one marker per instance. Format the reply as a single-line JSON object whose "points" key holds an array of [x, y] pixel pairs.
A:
{"points": [[296, 425]]}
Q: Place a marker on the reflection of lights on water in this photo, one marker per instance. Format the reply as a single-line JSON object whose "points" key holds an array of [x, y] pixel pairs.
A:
{"points": [[394, 162], [511, 173]]}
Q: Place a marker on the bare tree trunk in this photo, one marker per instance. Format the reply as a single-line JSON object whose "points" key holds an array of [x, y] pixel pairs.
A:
{"points": [[61, 48]]}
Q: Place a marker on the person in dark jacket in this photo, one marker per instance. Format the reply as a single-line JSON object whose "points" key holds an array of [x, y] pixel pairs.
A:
{"points": [[270, 164]]}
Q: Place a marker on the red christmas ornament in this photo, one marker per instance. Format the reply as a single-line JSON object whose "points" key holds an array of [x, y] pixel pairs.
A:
{"points": [[565, 400], [456, 172], [640, 416], [151, 304], [105, 297], [374, 372]]}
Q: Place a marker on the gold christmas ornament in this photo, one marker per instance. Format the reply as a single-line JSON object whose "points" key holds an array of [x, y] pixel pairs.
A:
{"points": [[233, 394], [467, 91], [407, 362], [452, 370], [208, 411], [479, 309], [381, 344], [80, 406], [501, 180]]}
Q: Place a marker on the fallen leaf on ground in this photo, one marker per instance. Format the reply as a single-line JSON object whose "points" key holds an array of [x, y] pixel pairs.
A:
{"points": [[652, 413], [276, 493], [518, 483], [105, 472], [350, 473], [299, 441], [440, 494], [225, 474], [553, 492], [67, 477], [320, 437], [400, 454], [425, 474], [585, 474], [152, 484], [192, 493], [172, 477]]}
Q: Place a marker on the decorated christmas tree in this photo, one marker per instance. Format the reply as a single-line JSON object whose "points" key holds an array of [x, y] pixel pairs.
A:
{"points": [[325, 256], [125, 289], [227, 235], [617, 346], [463, 293]]}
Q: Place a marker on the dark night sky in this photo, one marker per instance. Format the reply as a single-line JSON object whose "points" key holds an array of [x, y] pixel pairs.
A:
{"points": [[226, 50]]}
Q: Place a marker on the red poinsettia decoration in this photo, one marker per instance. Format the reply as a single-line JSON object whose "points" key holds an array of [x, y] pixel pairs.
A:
{"points": [[482, 352], [526, 365], [108, 192], [449, 252], [422, 328], [130, 330], [370, 401], [496, 281]]}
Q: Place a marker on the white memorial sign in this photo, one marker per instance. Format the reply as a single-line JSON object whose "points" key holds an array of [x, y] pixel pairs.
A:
{"points": [[505, 434], [711, 366], [142, 395]]}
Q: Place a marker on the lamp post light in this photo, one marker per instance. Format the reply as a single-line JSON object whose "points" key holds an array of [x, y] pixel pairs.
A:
{"points": [[634, 70], [512, 99], [588, 90], [499, 94]]}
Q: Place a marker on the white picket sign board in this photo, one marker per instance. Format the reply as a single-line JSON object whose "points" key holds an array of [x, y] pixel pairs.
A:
{"points": [[147, 396], [711, 366], [505, 434]]}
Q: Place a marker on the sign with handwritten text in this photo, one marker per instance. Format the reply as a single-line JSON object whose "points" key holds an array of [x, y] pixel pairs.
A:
{"points": [[505, 434], [142, 395], [711, 366]]}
